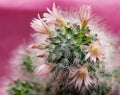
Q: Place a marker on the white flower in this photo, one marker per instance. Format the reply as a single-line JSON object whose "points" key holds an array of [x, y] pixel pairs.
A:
{"points": [[54, 16], [79, 76], [85, 14], [43, 69], [40, 26], [94, 51]]}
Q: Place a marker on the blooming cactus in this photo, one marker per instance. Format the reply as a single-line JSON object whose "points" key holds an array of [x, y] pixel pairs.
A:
{"points": [[74, 51]]}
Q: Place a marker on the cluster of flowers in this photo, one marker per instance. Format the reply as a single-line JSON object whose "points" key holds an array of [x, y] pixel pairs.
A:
{"points": [[72, 43]]}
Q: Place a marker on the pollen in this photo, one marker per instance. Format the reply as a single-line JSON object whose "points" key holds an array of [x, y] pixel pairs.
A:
{"points": [[95, 49]]}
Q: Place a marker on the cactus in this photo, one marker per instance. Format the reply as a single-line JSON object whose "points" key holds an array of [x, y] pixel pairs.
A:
{"points": [[76, 54]]}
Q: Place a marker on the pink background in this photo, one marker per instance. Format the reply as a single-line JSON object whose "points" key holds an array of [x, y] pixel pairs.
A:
{"points": [[15, 17]]}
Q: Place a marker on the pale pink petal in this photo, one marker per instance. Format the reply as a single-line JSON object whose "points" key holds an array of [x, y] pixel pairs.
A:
{"points": [[80, 84], [87, 56]]}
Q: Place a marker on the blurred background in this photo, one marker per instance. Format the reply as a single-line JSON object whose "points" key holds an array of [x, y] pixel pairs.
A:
{"points": [[16, 15]]}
